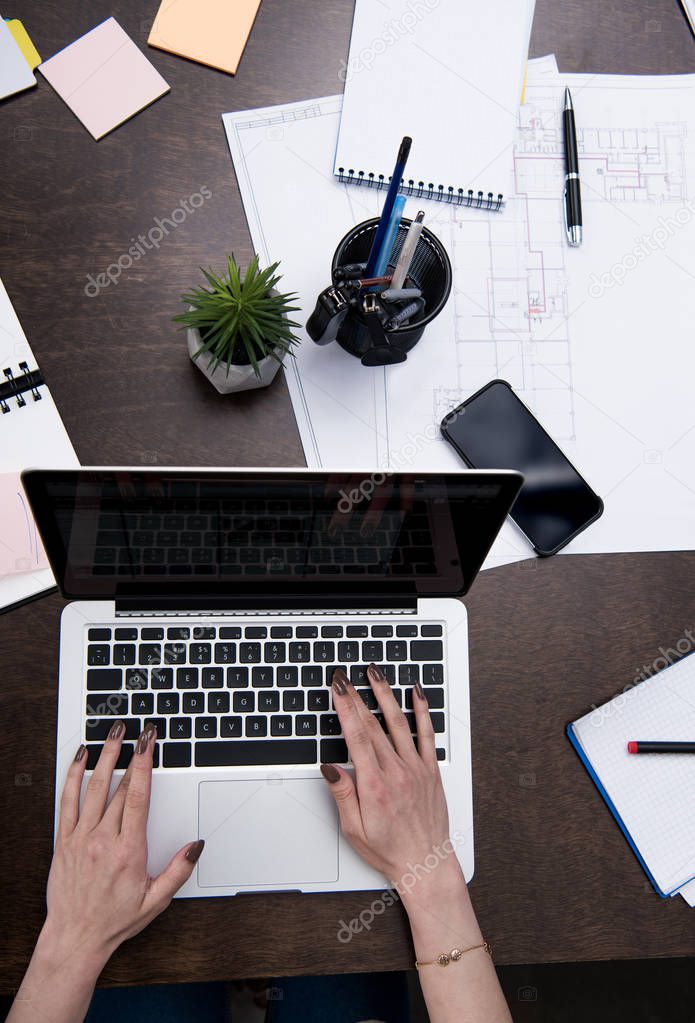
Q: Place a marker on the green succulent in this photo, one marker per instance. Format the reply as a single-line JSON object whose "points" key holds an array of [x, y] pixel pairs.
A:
{"points": [[239, 320]]}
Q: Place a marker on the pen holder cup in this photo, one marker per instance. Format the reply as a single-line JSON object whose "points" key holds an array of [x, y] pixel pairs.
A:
{"points": [[430, 271]]}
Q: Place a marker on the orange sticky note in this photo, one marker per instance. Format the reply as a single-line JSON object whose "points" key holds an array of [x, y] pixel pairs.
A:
{"points": [[212, 32]]}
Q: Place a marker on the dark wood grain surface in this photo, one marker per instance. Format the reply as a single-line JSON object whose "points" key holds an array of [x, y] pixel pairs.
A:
{"points": [[554, 878]]}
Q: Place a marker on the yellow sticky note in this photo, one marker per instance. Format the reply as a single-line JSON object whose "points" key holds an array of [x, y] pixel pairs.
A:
{"points": [[21, 36]]}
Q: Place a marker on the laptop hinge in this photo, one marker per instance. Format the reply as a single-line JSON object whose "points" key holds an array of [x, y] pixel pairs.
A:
{"points": [[157, 608]]}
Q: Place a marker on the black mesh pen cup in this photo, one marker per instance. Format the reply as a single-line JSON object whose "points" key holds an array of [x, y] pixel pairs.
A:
{"points": [[430, 271]]}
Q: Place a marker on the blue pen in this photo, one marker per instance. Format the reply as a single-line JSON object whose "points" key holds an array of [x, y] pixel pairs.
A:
{"points": [[385, 219], [389, 237]]}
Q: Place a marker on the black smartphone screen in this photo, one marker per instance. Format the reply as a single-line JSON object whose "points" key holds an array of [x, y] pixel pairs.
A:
{"points": [[494, 429]]}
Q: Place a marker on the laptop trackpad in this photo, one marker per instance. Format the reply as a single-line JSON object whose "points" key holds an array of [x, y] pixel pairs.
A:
{"points": [[267, 832]]}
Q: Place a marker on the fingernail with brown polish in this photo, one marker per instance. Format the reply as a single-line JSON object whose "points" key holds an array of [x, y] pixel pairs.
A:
{"points": [[117, 730], [143, 742], [80, 753], [376, 673], [151, 729], [420, 691], [330, 773], [340, 682], [193, 853]]}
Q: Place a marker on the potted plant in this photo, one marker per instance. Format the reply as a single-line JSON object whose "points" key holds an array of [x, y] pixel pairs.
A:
{"points": [[238, 331]]}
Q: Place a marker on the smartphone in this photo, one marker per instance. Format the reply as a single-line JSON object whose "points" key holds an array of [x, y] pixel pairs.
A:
{"points": [[493, 429]]}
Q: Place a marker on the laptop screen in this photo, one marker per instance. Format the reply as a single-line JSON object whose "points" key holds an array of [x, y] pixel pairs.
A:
{"points": [[245, 535]]}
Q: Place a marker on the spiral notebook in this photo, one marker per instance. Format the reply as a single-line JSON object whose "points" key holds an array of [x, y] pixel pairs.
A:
{"points": [[450, 75], [31, 434], [648, 795]]}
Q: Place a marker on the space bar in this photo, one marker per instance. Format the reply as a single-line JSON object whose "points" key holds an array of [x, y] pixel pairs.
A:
{"points": [[255, 753]]}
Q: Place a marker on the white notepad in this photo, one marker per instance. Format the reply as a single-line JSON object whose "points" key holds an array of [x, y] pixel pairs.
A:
{"points": [[650, 794], [448, 74], [31, 434]]}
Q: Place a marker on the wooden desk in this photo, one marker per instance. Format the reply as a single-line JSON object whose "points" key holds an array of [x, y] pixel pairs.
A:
{"points": [[554, 878]]}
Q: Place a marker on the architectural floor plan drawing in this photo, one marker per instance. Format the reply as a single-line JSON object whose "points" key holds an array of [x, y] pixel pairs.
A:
{"points": [[597, 347]]}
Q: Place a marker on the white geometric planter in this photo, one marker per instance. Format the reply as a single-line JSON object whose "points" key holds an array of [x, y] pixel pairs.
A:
{"points": [[227, 380]]}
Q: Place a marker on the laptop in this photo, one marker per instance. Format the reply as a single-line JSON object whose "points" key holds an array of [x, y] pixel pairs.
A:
{"points": [[218, 603]]}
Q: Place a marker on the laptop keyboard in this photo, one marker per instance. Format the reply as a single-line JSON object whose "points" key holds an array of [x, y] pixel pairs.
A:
{"points": [[251, 695]]}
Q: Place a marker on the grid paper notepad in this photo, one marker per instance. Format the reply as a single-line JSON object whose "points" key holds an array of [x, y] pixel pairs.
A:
{"points": [[649, 794]]}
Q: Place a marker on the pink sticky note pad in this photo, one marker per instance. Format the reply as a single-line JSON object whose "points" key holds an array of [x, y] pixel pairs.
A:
{"points": [[104, 78]]}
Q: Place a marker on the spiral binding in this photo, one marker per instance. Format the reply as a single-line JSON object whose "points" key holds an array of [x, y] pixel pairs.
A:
{"points": [[15, 387], [450, 195]]}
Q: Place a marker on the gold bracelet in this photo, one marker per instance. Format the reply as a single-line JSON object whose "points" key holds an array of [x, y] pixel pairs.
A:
{"points": [[453, 957]]}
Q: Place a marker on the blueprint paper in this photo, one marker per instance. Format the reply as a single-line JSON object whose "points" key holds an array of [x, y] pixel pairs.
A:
{"points": [[595, 340]]}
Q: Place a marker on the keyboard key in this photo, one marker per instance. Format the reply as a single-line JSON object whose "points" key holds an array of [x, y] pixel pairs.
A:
{"points": [[431, 630], [159, 723], [244, 703], [268, 703], [281, 724], [349, 652], [99, 654], [142, 703], [441, 754], [251, 754], [136, 678], [389, 672], [372, 650], [204, 632], [426, 650], [150, 653], [255, 632], [406, 630], [127, 634], [287, 676], [331, 669], [218, 703], [312, 675], [334, 751], [186, 678], [307, 632], [167, 703], [261, 677], [432, 674], [274, 653], [179, 728], [152, 634], [124, 756], [438, 722], [329, 724], [293, 700], [237, 678], [382, 630], [358, 675], [281, 632], [225, 653], [97, 729], [99, 634], [176, 754], [305, 724], [231, 727], [178, 632], [200, 653], [324, 652], [356, 631], [213, 678], [174, 653], [397, 650], [435, 698], [256, 727], [319, 700], [249, 653], [408, 674], [104, 679], [123, 653], [193, 703], [368, 698], [331, 631], [300, 652], [106, 704], [230, 632], [162, 678], [206, 728]]}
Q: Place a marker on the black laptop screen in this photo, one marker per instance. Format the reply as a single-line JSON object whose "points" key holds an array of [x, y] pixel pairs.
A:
{"points": [[244, 535]]}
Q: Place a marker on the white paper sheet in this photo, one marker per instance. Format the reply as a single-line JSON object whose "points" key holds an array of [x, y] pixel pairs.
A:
{"points": [[609, 376]]}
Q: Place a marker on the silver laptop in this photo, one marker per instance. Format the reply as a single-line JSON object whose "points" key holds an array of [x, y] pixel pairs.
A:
{"points": [[218, 603]]}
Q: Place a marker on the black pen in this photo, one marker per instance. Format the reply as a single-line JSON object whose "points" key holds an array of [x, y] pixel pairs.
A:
{"points": [[573, 196]]}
